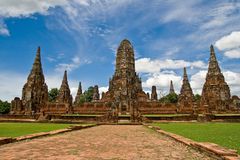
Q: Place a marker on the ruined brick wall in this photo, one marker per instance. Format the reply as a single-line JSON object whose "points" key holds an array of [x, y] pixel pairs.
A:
{"points": [[157, 108], [56, 108], [91, 108]]}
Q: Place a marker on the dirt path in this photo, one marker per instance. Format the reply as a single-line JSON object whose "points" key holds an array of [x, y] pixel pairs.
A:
{"points": [[102, 142]]}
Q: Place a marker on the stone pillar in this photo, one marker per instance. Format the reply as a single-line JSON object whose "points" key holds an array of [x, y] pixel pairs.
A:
{"points": [[171, 90], [103, 94], [95, 93], [154, 93], [148, 96]]}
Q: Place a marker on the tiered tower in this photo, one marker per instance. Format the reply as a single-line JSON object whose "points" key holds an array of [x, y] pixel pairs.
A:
{"points": [[64, 95], [125, 87], [186, 97], [216, 93], [35, 91], [79, 93]]}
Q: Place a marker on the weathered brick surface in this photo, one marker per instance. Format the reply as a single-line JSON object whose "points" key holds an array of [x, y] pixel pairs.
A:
{"points": [[216, 93], [186, 97], [5, 140], [64, 95]]}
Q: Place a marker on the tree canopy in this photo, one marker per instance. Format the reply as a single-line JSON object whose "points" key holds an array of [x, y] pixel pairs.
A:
{"points": [[87, 96], [52, 94], [4, 107], [170, 98]]}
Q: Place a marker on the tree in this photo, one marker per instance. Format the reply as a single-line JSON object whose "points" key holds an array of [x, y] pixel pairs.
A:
{"points": [[87, 96], [173, 98], [4, 107], [170, 98], [52, 94], [197, 97]]}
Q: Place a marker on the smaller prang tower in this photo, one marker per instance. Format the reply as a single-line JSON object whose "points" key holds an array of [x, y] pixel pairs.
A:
{"points": [[64, 95], [79, 93], [35, 91], [186, 97], [216, 93]]}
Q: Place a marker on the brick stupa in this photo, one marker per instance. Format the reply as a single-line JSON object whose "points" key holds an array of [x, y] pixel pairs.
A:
{"points": [[35, 91], [79, 93], [64, 95], [186, 97], [216, 93]]}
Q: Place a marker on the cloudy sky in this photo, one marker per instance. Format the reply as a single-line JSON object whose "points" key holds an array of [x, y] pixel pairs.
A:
{"points": [[82, 36]]}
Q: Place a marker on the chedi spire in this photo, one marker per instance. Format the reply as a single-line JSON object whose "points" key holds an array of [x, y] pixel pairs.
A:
{"points": [[79, 93], [35, 91], [64, 95], [215, 93], [186, 97]]}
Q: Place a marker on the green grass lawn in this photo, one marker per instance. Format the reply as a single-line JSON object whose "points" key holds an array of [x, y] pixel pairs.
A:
{"points": [[224, 134], [19, 129]]}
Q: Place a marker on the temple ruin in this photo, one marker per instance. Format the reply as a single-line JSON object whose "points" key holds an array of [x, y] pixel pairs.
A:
{"points": [[125, 95], [216, 95]]}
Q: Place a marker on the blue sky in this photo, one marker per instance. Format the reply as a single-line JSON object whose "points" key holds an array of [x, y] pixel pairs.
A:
{"points": [[82, 36]]}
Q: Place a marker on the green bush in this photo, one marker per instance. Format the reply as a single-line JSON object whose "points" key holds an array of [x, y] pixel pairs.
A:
{"points": [[170, 98], [52, 94], [87, 96], [4, 107], [197, 97]]}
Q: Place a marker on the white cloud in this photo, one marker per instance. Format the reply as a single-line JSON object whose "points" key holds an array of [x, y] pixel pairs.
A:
{"points": [[25, 8], [197, 80], [103, 89], [178, 11], [229, 41], [233, 80], [230, 44], [235, 53], [162, 81], [153, 66], [75, 63], [3, 29], [11, 85]]}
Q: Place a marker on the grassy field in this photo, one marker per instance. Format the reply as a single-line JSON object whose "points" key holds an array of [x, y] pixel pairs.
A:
{"points": [[224, 134], [19, 129]]}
